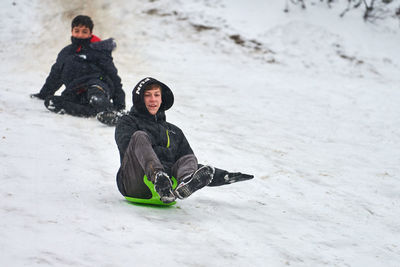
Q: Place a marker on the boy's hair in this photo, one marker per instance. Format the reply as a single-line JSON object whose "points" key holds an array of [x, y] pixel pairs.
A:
{"points": [[82, 20], [153, 86]]}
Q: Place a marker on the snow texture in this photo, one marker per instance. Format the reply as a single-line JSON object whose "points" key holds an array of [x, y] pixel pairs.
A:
{"points": [[306, 101]]}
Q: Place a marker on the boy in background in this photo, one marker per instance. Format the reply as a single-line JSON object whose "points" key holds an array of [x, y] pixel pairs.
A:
{"points": [[86, 68]]}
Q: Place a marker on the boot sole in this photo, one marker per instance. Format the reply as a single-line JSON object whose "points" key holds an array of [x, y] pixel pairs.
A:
{"points": [[165, 192], [201, 178]]}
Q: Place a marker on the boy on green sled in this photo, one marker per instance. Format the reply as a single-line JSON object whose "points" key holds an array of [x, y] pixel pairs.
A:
{"points": [[155, 155]]}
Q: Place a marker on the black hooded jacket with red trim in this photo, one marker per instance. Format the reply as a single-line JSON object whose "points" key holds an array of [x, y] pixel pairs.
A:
{"points": [[85, 63]]}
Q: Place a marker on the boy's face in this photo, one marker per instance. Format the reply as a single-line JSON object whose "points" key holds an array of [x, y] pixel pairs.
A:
{"points": [[152, 100], [81, 32]]}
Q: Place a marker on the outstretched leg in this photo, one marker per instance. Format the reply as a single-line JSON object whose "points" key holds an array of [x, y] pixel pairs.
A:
{"points": [[190, 179], [184, 167], [63, 104]]}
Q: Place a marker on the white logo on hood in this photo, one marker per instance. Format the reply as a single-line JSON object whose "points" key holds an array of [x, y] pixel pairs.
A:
{"points": [[141, 85]]}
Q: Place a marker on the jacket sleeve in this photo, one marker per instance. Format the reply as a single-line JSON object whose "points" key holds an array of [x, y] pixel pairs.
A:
{"points": [[118, 95], [184, 147], [123, 133], [53, 81]]}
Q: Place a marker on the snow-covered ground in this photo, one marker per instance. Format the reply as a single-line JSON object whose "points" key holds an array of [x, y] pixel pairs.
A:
{"points": [[306, 101]]}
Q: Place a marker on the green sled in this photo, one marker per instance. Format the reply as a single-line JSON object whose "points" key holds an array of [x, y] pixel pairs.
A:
{"points": [[155, 198]]}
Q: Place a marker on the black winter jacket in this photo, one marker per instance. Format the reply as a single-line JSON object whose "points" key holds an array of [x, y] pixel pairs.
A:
{"points": [[91, 64], [168, 141]]}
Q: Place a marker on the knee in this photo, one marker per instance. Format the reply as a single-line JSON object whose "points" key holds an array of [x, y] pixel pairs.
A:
{"points": [[98, 98], [139, 135], [100, 102]]}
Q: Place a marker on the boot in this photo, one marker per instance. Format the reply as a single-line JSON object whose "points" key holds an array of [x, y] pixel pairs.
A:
{"points": [[110, 117], [163, 186], [199, 179]]}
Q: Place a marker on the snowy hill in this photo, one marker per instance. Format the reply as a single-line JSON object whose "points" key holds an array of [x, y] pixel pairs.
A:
{"points": [[305, 101]]}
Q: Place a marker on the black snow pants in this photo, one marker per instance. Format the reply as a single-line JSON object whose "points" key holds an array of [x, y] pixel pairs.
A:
{"points": [[86, 102]]}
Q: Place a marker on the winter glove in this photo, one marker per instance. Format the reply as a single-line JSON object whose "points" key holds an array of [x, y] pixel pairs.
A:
{"points": [[38, 95], [222, 177], [233, 177]]}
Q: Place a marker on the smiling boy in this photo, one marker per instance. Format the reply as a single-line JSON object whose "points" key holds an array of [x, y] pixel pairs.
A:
{"points": [[86, 68]]}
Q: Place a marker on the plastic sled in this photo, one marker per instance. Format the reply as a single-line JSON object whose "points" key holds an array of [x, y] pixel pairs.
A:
{"points": [[155, 198]]}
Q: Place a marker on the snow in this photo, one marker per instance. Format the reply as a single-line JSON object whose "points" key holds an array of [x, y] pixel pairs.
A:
{"points": [[308, 104]]}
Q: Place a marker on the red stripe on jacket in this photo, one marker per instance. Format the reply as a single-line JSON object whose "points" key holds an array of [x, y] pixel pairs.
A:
{"points": [[94, 39]]}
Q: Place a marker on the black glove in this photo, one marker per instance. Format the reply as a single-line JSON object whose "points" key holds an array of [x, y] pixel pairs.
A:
{"points": [[233, 177], [38, 95], [222, 177]]}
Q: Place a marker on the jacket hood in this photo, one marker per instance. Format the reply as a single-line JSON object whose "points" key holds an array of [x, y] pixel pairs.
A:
{"points": [[137, 95], [107, 45], [93, 41]]}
